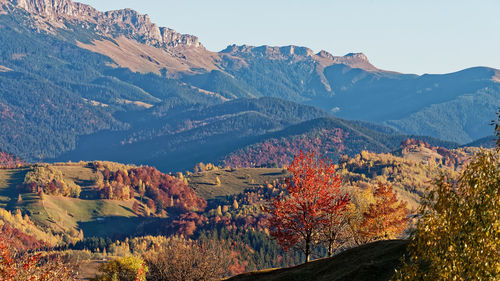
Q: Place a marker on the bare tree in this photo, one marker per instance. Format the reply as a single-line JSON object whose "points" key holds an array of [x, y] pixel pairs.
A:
{"points": [[187, 260]]}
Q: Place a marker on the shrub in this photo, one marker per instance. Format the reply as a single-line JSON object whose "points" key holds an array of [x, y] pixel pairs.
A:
{"points": [[129, 268]]}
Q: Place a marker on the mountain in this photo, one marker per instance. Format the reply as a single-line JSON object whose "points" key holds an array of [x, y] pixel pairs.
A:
{"points": [[53, 91], [70, 74], [454, 106], [125, 22]]}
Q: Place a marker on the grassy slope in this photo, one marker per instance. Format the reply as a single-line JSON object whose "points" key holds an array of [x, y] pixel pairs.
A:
{"points": [[233, 181], [107, 217], [9, 179], [371, 262], [62, 213]]}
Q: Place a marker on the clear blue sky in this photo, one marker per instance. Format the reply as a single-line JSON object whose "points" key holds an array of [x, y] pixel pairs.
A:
{"points": [[411, 36]]}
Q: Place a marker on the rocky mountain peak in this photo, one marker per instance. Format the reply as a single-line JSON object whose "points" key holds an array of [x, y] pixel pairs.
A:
{"points": [[357, 56], [324, 54], [126, 22], [47, 8], [355, 60], [284, 52]]}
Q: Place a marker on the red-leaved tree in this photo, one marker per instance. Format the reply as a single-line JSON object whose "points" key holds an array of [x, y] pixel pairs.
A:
{"points": [[297, 216]]}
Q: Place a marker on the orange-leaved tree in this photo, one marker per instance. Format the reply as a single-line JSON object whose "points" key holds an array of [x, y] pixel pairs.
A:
{"points": [[312, 193], [42, 266], [387, 218]]}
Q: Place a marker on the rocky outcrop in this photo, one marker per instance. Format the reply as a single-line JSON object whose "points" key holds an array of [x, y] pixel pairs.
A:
{"points": [[126, 22], [268, 51], [355, 60]]}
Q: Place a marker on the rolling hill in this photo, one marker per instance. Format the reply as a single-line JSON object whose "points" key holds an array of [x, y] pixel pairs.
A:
{"points": [[100, 217]]}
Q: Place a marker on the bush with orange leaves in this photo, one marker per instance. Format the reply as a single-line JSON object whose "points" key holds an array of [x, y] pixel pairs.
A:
{"points": [[387, 218], [16, 265]]}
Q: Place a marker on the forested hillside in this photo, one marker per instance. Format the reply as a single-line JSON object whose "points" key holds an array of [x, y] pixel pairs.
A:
{"points": [[329, 137]]}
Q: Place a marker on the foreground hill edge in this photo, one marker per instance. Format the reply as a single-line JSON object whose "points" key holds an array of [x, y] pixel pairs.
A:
{"points": [[371, 262]]}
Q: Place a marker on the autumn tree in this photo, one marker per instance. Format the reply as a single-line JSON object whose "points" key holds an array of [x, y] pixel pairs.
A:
{"points": [[387, 218], [361, 197], [136, 207], [312, 194], [50, 180], [218, 211], [333, 234], [141, 187], [129, 268], [151, 205], [200, 167], [16, 265], [458, 234]]}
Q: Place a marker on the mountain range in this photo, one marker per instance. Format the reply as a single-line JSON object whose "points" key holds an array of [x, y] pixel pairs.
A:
{"points": [[77, 83]]}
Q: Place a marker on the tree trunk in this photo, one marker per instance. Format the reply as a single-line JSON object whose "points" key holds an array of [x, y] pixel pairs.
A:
{"points": [[308, 249], [330, 246]]}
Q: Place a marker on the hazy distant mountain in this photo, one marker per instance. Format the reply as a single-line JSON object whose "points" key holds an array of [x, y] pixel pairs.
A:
{"points": [[70, 74]]}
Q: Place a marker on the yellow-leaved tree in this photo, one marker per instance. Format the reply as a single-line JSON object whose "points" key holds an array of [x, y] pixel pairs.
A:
{"points": [[458, 234], [129, 268]]}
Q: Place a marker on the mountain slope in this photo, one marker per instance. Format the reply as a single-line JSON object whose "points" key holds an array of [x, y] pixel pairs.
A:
{"points": [[239, 133], [371, 262]]}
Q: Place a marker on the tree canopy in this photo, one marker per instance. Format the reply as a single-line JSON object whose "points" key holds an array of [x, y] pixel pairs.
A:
{"points": [[297, 216], [458, 235]]}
